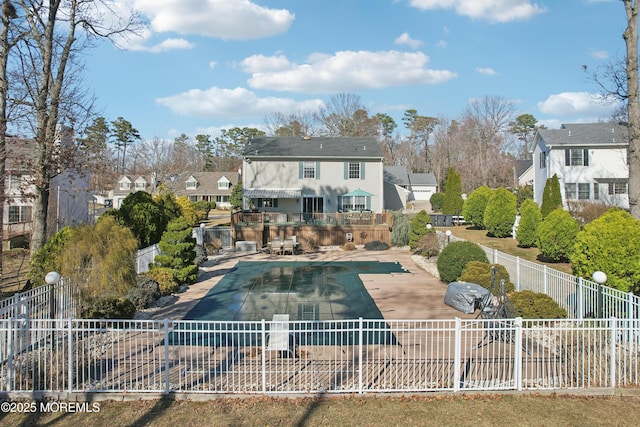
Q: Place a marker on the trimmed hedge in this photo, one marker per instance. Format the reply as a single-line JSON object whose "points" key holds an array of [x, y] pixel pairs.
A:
{"points": [[530, 220], [480, 273], [531, 305], [500, 213], [557, 235], [164, 277], [144, 293], [108, 308], [455, 257]]}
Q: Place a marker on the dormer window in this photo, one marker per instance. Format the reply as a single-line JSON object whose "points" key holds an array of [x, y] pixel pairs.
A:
{"points": [[125, 185], [140, 185], [224, 184], [192, 183]]}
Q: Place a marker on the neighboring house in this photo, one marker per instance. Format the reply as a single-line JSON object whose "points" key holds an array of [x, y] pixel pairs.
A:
{"points": [[423, 185], [397, 188], [129, 184], [401, 186], [524, 172], [589, 159], [313, 174], [68, 198], [209, 186]]}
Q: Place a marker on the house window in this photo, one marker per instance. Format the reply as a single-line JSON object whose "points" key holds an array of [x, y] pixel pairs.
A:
{"points": [[267, 203], [543, 160], [583, 191], [618, 187], [140, 185], [223, 185], [596, 191], [576, 157], [570, 191], [192, 185], [354, 203], [309, 169], [354, 170], [222, 199], [14, 182], [124, 185], [19, 214]]}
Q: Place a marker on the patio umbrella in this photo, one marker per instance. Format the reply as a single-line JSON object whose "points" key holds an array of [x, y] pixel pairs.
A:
{"points": [[356, 193]]}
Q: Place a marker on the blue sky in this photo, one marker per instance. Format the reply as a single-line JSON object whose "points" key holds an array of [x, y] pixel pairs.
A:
{"points": [[203, 65]]}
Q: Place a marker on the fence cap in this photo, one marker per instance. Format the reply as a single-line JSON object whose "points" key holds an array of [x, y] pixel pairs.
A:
{"points": [[52, 277]]}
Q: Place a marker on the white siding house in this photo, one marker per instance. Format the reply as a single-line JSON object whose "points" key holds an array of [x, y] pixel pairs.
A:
{"points": [[313, 175], [590, 161]]}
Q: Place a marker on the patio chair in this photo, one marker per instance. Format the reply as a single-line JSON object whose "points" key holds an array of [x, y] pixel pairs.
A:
{"points": [[288, 246], [280, 339], [276, 246]]}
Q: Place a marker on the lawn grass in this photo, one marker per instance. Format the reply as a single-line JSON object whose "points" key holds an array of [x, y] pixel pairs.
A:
{"points": [[15, 267], [507, 245], [413, 410]]}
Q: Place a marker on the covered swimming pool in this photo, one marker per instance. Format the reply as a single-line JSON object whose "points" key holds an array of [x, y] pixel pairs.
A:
{"points": [[324, 292]]}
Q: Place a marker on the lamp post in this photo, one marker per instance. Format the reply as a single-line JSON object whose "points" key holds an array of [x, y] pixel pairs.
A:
{"points": [[51, 278], [600, 278], [429, 226], [448, 233]]}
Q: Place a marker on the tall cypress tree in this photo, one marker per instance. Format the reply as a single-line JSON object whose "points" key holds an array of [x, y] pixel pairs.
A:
{"points": [[551, 197], [176, 251], [453, 194]]}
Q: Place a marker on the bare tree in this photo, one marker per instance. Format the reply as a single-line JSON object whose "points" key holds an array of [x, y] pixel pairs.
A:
{"points": [[47, 84], [630, 36], [293, 124], [344, 115]]}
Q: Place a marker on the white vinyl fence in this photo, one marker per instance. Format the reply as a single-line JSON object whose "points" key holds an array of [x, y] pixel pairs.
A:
{"points": [[351, 356], [581, 298]]}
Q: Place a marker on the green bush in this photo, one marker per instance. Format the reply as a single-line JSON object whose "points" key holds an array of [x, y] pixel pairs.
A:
{"points": [[475, 205], [165, 279], [176, 246], [376, 245], [453, 202], [418, 227], [108, 308], [480, 273], [500, 213], [551, 196], [611, 244], [524, 192], [556, 235], [144, 293], [400, 230], [455, 257], [531, 305], [530, 219], [201, 255], [437, 201]]}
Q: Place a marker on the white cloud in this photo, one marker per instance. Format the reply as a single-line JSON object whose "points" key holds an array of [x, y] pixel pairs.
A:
{"points": [[405, 38], [490, 10], [213, 64], [235, 103], [487, 71], [343, 71], [584, 104], [224, 19], [600, 54]]}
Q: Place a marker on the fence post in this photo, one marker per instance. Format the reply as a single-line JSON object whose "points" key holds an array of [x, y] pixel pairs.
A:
{"points": [[518, 274], [518, 349], [360, 355], [629, 314], [544, 279], [612, 351], [495, 256], [580, 298], [263, 359], [457, 354], [70, 356], [10, 355], [166, 356]]}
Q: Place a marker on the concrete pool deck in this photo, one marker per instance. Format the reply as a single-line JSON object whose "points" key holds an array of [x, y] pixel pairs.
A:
{"points": [[416, 295]]}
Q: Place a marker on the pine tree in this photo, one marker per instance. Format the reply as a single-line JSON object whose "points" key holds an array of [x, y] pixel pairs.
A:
{"points": [[235, 199], [453, 194], [177, 251], [551, 197]]}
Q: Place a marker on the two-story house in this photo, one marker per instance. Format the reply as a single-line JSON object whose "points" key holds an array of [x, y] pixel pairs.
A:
{"points": [[128, 184], [69, 194], [208, 186], [590, 161], [313, 174]]}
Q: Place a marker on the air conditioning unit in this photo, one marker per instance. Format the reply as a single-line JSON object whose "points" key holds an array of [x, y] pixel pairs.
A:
{"points": [[349, 237]]}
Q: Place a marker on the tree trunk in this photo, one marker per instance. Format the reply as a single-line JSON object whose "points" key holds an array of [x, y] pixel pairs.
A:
{"points": [[630, 36]]}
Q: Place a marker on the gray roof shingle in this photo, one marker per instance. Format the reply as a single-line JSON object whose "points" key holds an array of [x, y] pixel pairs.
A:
{"points": [[586, 134], [314, 147]]}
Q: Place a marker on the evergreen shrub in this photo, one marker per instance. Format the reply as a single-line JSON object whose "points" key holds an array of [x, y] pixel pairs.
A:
{"points": [[455, 257], [531, 305], [556, 235], [480, 273], [500, 213]]}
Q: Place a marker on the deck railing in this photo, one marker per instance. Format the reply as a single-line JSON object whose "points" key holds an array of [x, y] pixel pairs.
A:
{"points": [[350, 356], [299, 218]]}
